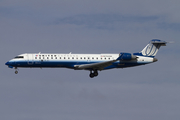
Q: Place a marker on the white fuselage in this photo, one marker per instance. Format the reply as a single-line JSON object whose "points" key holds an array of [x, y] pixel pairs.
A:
{"points": [[72, 60]]}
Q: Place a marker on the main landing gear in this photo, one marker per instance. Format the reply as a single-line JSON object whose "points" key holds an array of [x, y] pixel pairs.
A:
{"points": [[93, 74]]}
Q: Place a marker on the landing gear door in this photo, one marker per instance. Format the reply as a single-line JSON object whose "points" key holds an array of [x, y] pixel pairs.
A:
{"points": [[30, 59]]}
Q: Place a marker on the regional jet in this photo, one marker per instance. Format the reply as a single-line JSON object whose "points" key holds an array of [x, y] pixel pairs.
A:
{"points": [[90, 62]]}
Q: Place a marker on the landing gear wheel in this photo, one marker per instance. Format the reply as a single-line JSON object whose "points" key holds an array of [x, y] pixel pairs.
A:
{"points": [[16, 72], [91, 75], [96, 73]]}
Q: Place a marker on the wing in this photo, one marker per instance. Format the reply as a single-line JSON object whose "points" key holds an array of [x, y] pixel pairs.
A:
{"points": [[97, 66]]}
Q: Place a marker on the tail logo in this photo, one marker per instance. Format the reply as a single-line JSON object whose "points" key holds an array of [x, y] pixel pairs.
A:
{"points": [[150, 50]]}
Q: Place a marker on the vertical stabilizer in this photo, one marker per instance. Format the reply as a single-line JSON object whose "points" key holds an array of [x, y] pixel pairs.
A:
{"points": [[152, 48]]}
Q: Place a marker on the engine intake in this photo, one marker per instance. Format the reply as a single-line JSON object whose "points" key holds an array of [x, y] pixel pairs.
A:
{"points": [[127, 56]]}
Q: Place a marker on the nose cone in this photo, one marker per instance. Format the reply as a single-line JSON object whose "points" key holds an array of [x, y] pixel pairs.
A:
{"points": [[7, 63], [155, 59]]}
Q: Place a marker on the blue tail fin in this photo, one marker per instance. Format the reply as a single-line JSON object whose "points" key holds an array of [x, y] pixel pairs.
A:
{"points": [[152, 48]]}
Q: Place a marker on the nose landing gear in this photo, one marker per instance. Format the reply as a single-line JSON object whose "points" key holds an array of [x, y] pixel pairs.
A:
{"points": [[16, 70], [93, 74]]}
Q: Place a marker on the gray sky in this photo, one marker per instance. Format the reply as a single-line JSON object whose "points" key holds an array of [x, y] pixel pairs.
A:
{"points": [[92, 26]]}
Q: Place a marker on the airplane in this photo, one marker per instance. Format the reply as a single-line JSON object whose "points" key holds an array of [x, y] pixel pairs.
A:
{"points": [[90, 62]]}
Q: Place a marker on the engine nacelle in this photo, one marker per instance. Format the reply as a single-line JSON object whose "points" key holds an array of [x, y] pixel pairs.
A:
{"points": [[127, 56]]}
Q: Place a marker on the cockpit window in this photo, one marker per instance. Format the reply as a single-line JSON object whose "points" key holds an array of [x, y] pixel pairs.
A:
{"points": [[19, 57]]}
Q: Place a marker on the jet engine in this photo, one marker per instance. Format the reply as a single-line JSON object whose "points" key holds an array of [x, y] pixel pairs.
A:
{"points": [[127, 56]]}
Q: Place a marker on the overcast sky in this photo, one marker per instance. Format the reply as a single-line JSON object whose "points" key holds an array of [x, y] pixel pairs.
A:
{"points": [[149, 92]]}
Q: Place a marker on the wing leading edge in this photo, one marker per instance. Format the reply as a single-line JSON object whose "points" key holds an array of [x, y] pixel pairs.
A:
{"points": [[95, 66]]}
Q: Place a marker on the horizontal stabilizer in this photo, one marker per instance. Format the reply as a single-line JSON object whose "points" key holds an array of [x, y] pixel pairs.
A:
{"points": [[159, 42]]}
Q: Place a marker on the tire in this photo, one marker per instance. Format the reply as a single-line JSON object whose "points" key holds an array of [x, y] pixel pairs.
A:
{"points": [[16, 72], [91, 75]]}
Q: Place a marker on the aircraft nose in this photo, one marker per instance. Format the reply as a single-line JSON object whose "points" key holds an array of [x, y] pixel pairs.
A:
{"points": [[7, 63]]}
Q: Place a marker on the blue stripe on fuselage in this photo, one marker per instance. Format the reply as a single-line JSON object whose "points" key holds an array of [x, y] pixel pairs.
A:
{"points": [[70, 64]]}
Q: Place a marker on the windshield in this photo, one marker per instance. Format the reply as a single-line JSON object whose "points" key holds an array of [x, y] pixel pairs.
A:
{"points": [[19, 57]]}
